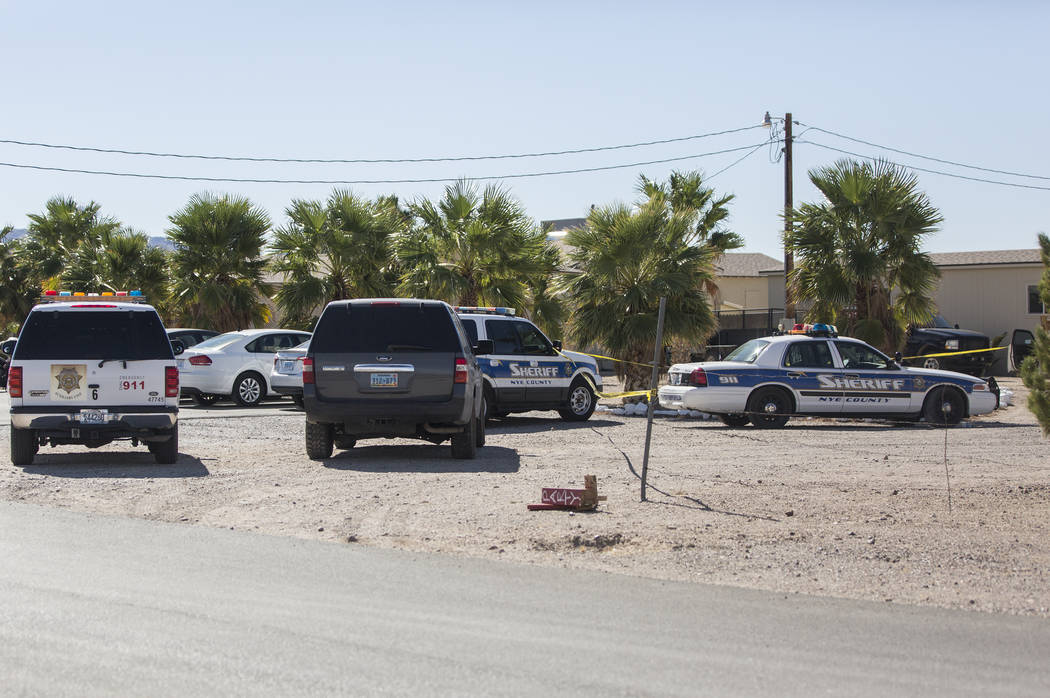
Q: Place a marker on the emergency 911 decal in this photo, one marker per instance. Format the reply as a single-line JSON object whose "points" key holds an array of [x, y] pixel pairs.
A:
{"points": [[67, 381]]}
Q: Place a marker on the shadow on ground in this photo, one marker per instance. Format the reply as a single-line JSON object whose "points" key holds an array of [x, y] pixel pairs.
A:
{"points": [[113, 465], [426, 458]]}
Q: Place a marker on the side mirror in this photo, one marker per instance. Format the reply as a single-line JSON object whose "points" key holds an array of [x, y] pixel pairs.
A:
{"points": [[177, 347], [556, 344], [8, 347], [484, 346]]}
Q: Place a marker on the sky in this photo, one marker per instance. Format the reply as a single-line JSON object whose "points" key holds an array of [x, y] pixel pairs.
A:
{"points": [[962, 81]]}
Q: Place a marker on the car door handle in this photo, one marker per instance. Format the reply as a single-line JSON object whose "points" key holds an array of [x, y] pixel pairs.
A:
{"points": [[852, 375], [796, 374]]}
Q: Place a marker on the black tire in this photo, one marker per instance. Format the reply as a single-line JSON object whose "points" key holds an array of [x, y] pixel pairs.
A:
{"points": [[249, 389], [930, 362], [944, 407], [167, 452], [465, 443], [769, 408], [23, 446], [581, 402], [490, 403], [204, 399], [734, 420], [344, 442], [479, 431], [318, 441]]}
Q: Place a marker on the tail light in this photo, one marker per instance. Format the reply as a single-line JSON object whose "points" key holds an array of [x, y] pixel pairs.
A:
{"points": [[461, 371], [171, 381], [698, 377], [202, 360], [14, 382], [308, 371]]}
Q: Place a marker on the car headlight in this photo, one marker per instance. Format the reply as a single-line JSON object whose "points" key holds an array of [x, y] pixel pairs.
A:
{"points": [[952, 345]]}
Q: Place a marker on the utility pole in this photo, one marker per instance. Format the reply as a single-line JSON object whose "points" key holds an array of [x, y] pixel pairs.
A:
{"points": [[789, 257]]}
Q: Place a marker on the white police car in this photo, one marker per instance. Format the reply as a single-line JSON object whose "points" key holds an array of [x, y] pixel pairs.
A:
{"points": [[526, 371], [818, 373]]}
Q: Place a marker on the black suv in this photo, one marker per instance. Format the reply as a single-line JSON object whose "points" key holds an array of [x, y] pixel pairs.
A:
{"points": [[392, 367], [941, 337]]}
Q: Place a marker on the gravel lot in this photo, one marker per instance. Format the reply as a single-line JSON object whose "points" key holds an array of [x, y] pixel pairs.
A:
{"points": [[839, 508]]}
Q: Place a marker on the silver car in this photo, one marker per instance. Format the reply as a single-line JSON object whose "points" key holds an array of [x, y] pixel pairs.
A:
{"points": [[286, 377]]}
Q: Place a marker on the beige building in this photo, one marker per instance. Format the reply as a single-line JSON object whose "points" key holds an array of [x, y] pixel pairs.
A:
{"points": [[743, 281]]}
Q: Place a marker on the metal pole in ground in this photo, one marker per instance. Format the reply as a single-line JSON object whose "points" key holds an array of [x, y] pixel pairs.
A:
{"points": [[652, 389]]}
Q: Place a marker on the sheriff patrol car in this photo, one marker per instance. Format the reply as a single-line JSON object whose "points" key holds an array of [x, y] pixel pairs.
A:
{"points": [[526, 371], [816, 372], [92, 369]]}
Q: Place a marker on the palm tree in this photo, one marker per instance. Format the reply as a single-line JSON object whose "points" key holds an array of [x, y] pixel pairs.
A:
{"points": [[858, 254], [56, 236], [119, 260], [474, 248], [218, 264], [341, 249], [684, 193], [19, 287], [625, 259]]}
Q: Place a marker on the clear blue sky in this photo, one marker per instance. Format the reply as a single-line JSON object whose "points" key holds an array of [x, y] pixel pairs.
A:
{"points": [[963, 81]]}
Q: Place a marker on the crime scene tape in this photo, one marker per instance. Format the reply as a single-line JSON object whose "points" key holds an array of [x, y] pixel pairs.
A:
{"points": [[610, 396], [953, 353]]}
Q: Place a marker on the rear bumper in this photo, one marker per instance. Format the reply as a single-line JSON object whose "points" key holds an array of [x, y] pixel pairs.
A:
{"points": [[384, 416], [133, 422], [287, 390]]}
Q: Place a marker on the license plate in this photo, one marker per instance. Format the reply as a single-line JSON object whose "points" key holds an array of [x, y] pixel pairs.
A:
{"points": [[384, 380], [287, 366], [92, 416]]}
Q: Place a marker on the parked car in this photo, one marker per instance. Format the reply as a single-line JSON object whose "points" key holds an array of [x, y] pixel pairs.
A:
{"points": [[6, 350], [938, 336], [392, 367], [526, 371], [234, 365], [766, 381], [189, 337], [89, 370], [286, 377]]}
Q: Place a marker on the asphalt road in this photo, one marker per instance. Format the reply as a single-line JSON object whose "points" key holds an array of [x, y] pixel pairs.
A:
{"points": [[95, 605]]}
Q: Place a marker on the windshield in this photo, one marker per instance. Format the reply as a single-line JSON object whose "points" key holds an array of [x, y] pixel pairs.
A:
{"points": [[219, 341], [748, 351], [133, 335], [939, 321]]}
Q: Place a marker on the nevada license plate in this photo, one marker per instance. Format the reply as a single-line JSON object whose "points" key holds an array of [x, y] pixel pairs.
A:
{"points": [[384, 380], [287, 366], [92, 416]]}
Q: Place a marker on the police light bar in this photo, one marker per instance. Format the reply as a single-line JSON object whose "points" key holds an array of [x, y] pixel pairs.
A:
{"points": [[485, 311], [52, 296]]}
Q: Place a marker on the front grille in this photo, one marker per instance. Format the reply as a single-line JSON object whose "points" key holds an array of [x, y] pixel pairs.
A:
{"points": [[971, 343]]}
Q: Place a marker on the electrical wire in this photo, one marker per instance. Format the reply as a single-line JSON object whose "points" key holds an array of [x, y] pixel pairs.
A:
{"points": [[923, 157], [522, 175], [922, 169], [736, 162], [362, 161]]}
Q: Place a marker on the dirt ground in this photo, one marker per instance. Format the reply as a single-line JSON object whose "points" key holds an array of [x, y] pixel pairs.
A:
{"points": [[901, 513]]}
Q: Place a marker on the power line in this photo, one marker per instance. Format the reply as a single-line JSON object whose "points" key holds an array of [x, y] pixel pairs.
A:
{"points": [[379, 181], [922, 169], [924, 157], [364, 161], [736, 162]]}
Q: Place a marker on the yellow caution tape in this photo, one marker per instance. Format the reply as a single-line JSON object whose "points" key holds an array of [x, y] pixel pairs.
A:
{"points": [[953, 353]]}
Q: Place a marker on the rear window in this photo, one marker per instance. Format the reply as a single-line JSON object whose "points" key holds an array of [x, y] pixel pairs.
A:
{"points": [[219, 341], [385, 328], [93, 334]]}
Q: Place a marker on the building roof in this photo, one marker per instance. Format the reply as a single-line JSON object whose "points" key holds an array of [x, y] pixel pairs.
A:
{"points": [[959, 259], [746, 264]]}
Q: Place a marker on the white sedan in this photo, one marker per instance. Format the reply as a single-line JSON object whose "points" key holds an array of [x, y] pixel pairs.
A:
{"points": [[286, 376], [235, 364], [768, 380]]}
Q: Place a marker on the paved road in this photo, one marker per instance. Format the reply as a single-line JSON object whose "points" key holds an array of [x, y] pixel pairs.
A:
{"points": [[95, 605]]}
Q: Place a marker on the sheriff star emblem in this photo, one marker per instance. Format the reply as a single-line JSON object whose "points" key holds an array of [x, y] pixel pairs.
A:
{"points": [[68, 379]]}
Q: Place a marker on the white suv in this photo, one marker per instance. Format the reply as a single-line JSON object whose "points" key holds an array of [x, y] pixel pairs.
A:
{"points": [[90, 370]]}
